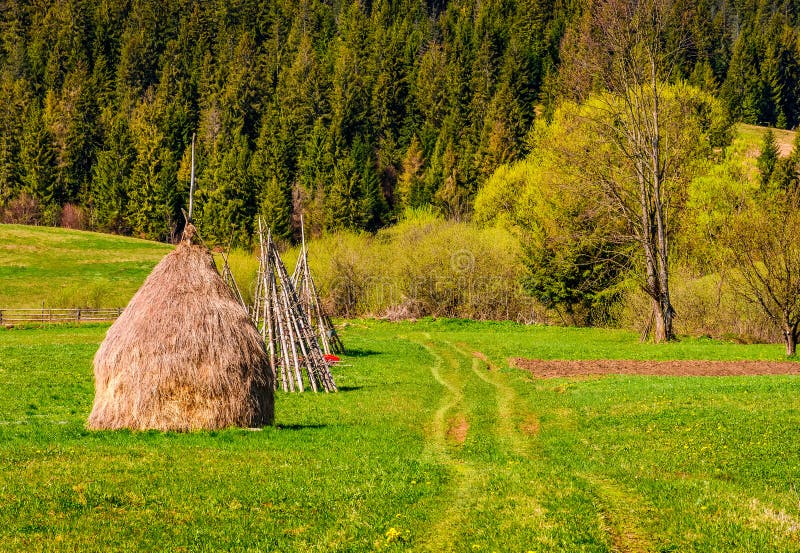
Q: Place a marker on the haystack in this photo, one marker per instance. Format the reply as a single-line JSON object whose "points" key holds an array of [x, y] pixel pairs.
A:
{"points": [[184, 355]]}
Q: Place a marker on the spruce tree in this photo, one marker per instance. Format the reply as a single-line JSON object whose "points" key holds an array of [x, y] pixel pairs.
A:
{"points": [[410, 186], [108, 194], [276, 208], [37, 159], [768, 157]]}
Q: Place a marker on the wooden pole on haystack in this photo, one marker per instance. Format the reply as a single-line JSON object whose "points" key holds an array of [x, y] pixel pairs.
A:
{"points": [[191, 183], [294, 350], [227, 276], [309, 298]]}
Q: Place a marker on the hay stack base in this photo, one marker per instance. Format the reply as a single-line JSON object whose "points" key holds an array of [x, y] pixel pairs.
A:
{"points": [[183, 356]]}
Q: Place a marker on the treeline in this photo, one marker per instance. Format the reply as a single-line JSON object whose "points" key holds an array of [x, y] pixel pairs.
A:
{"points": [[346, 112]]}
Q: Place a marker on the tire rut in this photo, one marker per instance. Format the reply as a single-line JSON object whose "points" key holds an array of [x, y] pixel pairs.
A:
{"points": [[514, 429], [621, 513], [465, 476], [513, 439], [454, 368]]}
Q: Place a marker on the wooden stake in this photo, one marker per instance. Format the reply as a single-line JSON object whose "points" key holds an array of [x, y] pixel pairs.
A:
{"points": [[191, 183], [285, 325]]}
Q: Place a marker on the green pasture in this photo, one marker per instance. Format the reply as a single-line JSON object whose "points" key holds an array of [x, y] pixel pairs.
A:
{"points": [[425, 448], [42, 266]]}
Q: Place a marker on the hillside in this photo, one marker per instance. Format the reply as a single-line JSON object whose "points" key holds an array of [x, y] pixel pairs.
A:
{"points": [[752, 135], [346, 112], [51, 267]]}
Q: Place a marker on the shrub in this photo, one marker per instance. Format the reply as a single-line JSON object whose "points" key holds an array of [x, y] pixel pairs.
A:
{"points": [[423, 266], [23, 210], [73, 217], [705, 305]]}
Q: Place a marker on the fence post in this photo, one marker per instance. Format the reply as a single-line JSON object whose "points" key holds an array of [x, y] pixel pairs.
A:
{"points": [[78, 315]]}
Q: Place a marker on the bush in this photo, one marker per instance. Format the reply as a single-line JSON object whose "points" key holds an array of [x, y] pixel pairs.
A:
{"points": [[23, 210], [423, 266], [73, 217], [705, 305]]}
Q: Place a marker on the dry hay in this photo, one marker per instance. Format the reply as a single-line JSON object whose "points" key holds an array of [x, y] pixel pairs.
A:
{"points": [[183, 355], [560, 368]]}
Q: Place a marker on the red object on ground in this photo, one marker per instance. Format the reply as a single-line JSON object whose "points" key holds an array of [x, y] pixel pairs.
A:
{"points": [[331, 359]]}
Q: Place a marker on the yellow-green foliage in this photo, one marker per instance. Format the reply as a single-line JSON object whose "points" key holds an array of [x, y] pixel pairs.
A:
{"points": [[706, 304], [422, 266], [244, 265], [722, 188], [704, 284], [572, 154], [542, 195]]}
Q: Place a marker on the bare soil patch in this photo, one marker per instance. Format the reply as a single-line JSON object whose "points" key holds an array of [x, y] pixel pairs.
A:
{"points": [[560, 369], [482, 356], [531, 425], [457, 429]]}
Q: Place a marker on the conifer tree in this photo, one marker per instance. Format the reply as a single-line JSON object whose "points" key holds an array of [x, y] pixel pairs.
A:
{"points": [[37, 159], [108, 195], [768, 156], [410, 186], [343, 206], [227, 203], [15, 97], [276, 208], [154, 200]]}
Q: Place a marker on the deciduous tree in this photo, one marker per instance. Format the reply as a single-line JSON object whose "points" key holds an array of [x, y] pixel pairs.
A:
{"points": [[764, 241], [624, 55]]}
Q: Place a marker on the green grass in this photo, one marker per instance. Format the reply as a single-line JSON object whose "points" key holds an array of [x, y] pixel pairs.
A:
{"points": [[66, 268], [602, 464], [752, 135]]}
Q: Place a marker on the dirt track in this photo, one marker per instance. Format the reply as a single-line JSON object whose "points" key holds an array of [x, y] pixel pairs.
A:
{"points": [[560, 369]]}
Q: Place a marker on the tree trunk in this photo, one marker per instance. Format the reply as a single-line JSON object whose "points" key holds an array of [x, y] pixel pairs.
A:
{"points": [[791, 344], [659, 331], [657, 279], [667, 315], [661, 246], [790, 338]]}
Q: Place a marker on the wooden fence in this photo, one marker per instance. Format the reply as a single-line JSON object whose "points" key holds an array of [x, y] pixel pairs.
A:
{"points": [[50, 316]]}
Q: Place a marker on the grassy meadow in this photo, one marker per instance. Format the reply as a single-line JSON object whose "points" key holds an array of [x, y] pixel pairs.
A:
{"points": [[425, 448], [432, 444], [42, 266]]}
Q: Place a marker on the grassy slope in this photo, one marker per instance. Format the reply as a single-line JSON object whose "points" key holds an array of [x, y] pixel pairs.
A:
{"points": [[752, 135], [64, 268], [607, 464]]}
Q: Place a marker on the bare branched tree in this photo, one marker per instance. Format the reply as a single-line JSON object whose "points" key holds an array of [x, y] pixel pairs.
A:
{"points": [[764, 239], [623, 54]]}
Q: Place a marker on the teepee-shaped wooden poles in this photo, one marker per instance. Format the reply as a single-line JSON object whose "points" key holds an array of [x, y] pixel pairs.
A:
{"points": [[295, 356], [309, 298]]}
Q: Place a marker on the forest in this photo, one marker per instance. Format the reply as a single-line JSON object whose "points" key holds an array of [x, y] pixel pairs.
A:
{"points": [[346, 112]]}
